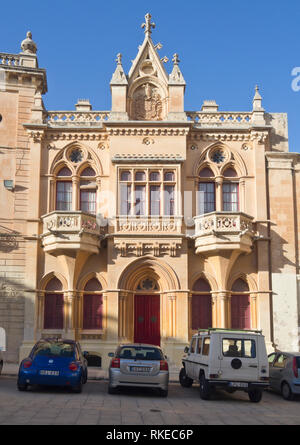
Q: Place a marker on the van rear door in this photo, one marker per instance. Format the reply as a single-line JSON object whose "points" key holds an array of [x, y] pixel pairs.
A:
{"points": [[239, 358]]}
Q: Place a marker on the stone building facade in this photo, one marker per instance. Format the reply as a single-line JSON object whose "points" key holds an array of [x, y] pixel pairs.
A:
{"points": [[145, 222]]}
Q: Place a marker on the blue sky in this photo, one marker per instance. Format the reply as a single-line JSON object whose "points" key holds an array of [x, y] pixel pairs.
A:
{"points": [[225, 48]]}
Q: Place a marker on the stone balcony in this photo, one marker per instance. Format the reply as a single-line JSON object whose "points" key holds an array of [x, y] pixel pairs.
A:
{"points": [[71, 231], [223, 231]]}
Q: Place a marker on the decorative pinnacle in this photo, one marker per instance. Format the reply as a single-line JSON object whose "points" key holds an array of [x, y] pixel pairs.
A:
{"points": [[119, 59], [28, 45], [148, 25], [175, 59]]}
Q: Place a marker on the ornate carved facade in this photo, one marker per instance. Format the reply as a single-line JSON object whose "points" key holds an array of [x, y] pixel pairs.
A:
{"points": [[145, 213]]}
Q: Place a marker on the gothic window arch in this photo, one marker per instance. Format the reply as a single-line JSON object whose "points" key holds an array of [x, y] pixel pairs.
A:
{"points": [[201, 307], [206, 193], [92, 306], [53, 305], [240, 305], [74, 182]]}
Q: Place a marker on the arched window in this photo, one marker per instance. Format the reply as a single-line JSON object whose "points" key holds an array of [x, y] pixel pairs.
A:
{"points": [[88, 191], [64, 189], [54, 305], [240, 305], [230, 191], [206, 192], [92, 305], [201, 305]]}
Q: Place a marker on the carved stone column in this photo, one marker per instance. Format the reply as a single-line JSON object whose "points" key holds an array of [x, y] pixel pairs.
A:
{"points": [[69, 304], [171, 316], [214, 304], [219, 200], [224, 310], [75, 193], [242, 206], [40, 312]]}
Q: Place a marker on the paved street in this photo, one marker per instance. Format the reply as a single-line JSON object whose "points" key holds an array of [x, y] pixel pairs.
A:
{"points": [[183, 406]]}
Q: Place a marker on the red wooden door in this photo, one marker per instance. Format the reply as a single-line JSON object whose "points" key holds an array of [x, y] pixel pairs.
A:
{"points": [[147, 319]]}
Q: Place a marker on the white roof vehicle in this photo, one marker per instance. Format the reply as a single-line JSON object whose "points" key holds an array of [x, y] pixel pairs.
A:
{"points": [[229, 359]]}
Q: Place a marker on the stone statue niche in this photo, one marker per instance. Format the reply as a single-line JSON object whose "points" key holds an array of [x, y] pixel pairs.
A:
{"points": [[147, 103]]}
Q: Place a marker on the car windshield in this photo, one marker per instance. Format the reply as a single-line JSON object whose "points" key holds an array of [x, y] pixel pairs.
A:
{"points": [[139, 353], [54, 349], [298, 361]]}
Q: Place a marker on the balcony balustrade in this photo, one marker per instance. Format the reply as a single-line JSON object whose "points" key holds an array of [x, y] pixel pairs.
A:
{"points": [[223, 231], [71, 230]]}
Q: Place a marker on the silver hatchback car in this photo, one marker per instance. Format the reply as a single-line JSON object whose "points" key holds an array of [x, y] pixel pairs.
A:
{"points": [[138, 365], [284, 371]]}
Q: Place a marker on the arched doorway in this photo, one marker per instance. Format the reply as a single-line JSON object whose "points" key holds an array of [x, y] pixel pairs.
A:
{"points": [[201, 316], [240, 305], [147, 312]]}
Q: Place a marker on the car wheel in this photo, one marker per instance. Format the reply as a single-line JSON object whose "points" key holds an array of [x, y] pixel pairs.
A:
{"points": [[204, 388], [22, 387], [112, 390], [163, 392], [286, 391], [184, 380], [1, 367], [255, 395]]}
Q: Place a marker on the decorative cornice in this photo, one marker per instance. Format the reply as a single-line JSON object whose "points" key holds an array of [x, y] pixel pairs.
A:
{"points": [[148, 131], [142, 157]]}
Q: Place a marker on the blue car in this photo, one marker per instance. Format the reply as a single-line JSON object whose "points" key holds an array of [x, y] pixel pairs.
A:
{"points": [[54, 362]]}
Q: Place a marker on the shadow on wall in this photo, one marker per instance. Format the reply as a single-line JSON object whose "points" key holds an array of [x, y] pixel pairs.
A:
{"points": [[12, 305], [279, 253]]}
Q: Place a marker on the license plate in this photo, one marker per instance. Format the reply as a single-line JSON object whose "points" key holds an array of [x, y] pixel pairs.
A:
{"points": [[139, 369], [46, 372], [238, 384]]}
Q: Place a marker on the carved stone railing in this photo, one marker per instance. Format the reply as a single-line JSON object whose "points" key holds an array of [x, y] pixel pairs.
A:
{"points": [[153, 225], [61, 118], [220, 118], [9, 59], [71, 230], [223, 230]]}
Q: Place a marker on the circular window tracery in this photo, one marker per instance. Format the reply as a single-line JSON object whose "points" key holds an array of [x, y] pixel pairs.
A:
{"points": [[218, 156], [76, 155]]}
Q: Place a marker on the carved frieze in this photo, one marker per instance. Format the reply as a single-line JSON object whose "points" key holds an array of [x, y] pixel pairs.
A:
{"points": [[155, 248], [147, 103]]}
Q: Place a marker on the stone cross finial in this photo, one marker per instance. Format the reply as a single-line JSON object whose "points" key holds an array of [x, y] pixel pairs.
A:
{"points": [[119, 59], [175, 59], [148, 25]]}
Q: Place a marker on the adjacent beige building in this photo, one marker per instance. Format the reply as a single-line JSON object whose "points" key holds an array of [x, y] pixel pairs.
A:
{"points": [[144, 222]]}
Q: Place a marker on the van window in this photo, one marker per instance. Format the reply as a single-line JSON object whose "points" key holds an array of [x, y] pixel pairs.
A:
{"points": [[193, 345], [206, 343], [235, 347], [199, 345]]}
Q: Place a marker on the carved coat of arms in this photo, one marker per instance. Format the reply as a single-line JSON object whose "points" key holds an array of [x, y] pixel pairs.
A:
{"points": [[147, 103]]}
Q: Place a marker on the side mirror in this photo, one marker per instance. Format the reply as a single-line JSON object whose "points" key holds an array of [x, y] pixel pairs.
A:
{"points": [[186, 350], [111, 354]]}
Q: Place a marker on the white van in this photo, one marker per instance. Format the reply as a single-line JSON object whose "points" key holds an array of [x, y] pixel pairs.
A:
{"points": [[229, 359]]}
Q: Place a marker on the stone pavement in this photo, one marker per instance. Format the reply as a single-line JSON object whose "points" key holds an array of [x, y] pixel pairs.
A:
{"points": [[94, 406]]}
